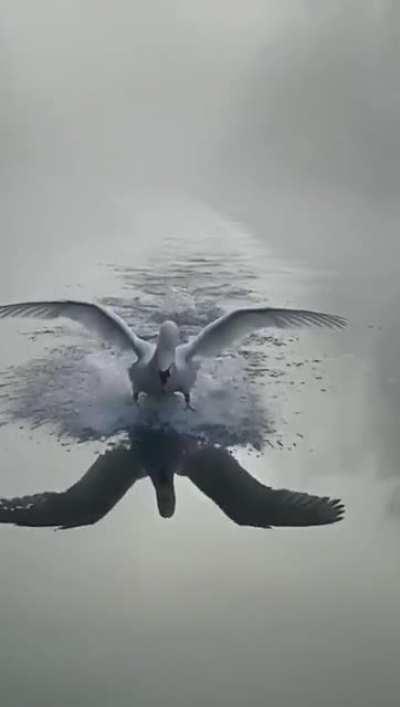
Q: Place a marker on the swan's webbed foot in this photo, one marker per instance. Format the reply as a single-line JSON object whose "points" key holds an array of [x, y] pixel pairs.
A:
{"points": [[187, 401]]}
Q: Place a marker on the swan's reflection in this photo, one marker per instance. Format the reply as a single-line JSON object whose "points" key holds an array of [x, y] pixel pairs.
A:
{"points": [[160, 455]]}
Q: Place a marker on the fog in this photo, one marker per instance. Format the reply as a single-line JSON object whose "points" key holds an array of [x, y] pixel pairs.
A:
{"points": [[254, 110]]}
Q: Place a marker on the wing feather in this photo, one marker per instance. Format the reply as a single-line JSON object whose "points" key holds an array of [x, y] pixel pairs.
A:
{"points": [[248, 502], [222, 333], [94, 317], [84, 503]]}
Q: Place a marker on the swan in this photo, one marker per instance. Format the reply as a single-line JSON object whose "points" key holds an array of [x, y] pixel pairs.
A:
{"points": [[160, 455], [168, 366]]}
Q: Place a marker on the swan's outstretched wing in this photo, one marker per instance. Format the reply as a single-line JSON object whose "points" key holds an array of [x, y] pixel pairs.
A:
{"points": [[248, 502], [94, 317], [84, 503], [221, 334]]}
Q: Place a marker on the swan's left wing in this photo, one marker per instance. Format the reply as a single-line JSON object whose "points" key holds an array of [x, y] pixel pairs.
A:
{"points": [[84, 503], [222, 333], [248, 502]]}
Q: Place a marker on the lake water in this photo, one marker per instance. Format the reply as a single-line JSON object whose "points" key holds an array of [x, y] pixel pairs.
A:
{"points": [[195, 609], [178, 164]]}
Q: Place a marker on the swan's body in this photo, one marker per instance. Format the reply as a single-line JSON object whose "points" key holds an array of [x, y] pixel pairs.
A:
{"points": [[164, 370], [168, 365], [145, 378]]}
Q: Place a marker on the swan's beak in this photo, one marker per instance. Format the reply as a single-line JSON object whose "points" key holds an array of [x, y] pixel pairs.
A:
{"points": [[164, 375]]}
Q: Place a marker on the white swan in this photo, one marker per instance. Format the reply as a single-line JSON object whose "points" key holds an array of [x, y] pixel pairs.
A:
{"points": [[167, 366]]}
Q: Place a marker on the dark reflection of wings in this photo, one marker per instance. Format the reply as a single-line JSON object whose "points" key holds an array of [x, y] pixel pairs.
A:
{"points": [[159, 454], [248, 502], [84, 503]]}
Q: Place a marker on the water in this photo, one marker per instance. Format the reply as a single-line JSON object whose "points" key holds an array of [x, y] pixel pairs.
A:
{"points": [[82, 393], [177, 163], [141, 606]]}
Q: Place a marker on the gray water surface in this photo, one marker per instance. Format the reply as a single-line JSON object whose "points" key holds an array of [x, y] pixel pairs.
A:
{"points": [[142, 169], [137, 607]]}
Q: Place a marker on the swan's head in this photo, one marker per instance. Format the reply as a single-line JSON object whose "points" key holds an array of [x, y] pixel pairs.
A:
{"points": [[168, 340]]}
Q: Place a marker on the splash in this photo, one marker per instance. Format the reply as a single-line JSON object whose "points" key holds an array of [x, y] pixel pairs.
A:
{"points": [[81, 394]]}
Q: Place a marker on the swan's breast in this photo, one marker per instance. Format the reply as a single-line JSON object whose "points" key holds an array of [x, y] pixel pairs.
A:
{"points": [[146, 379]]}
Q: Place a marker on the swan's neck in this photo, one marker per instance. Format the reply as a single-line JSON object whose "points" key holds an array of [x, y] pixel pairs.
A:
{"points": [[168, 338], [164, 356]]}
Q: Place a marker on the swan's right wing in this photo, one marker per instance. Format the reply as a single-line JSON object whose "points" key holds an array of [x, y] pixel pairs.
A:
{"points": [[84, 503], [94, 317], [248, 502]]}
